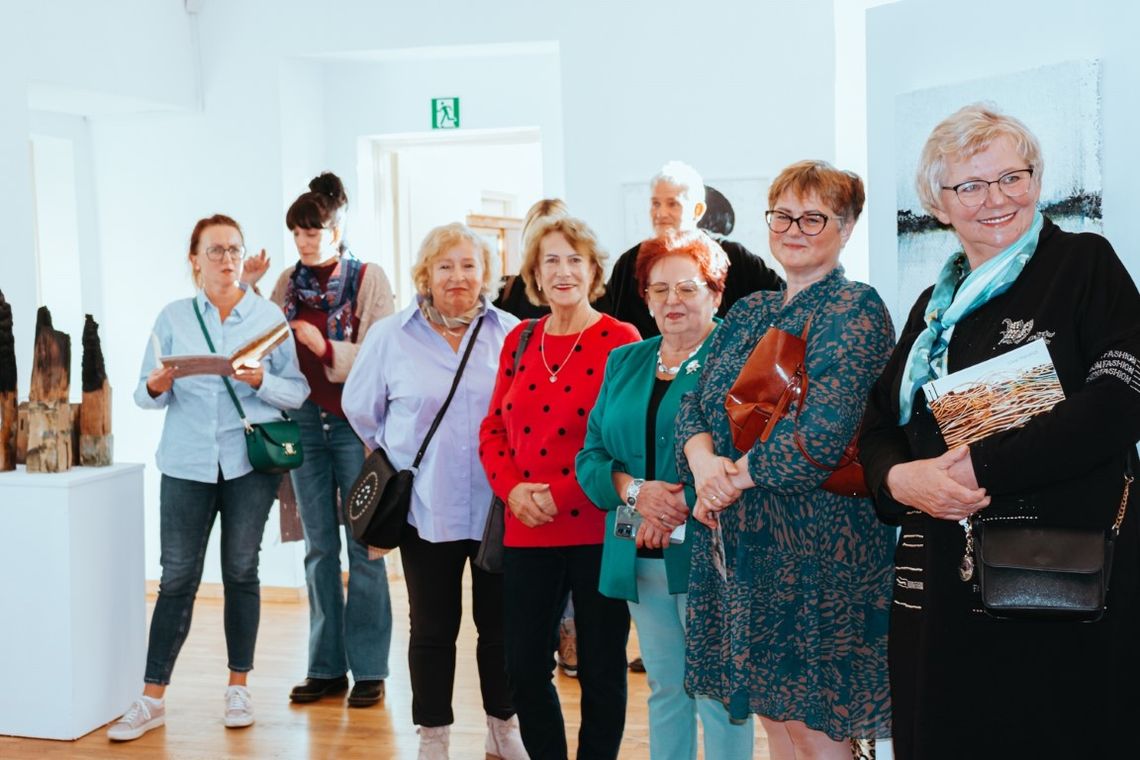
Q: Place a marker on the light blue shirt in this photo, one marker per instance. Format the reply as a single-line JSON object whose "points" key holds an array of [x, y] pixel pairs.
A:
{"points": [[399, 381], [202, 431]]}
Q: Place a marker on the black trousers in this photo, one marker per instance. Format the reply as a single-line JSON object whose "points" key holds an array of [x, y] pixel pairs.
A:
{"points": [[535, 583], [434, 574]]}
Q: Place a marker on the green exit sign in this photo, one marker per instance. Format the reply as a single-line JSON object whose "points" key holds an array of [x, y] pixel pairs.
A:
{"points": [[445, 113]]}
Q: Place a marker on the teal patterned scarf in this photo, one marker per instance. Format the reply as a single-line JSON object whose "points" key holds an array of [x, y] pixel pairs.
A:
{"points": [[927, 359]]}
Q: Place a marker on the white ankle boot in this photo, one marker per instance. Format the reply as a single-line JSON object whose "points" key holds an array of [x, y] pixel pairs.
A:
{"points": [[434, 742], [504, 740]]}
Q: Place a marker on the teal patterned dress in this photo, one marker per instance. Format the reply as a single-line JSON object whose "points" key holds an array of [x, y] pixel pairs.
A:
{"points": [[798, 631]]}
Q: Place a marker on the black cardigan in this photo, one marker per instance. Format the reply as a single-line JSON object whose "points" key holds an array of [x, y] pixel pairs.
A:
{"points": [[1065, 466]]}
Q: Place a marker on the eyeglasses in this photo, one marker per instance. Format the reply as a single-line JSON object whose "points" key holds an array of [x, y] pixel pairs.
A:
{"points": [[1013, 184], [216, 252], [811, 223], [686, 290]]}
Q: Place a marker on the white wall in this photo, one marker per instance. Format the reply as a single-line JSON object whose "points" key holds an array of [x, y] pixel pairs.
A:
{"points": [[902, 56], [638, 83]]}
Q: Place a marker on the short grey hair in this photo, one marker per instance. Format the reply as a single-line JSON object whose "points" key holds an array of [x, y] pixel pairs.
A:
{"points": [[963, 134], [681, 175]]}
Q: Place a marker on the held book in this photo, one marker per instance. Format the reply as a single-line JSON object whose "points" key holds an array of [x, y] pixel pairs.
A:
{"points": [[249, 355], [996, 395]]}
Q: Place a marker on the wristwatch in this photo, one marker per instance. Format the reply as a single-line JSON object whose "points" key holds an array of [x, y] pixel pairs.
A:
{"points": [[631, 492]]}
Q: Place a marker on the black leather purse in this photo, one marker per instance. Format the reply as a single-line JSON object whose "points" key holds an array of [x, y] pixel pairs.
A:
{"points": [[381, 497], [489, 556], [1030, 572]]}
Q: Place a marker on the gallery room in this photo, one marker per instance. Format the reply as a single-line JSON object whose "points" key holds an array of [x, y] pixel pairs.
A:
{"points": [[260, 252]]}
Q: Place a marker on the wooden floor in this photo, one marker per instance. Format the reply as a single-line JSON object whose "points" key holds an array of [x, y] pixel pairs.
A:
{"points": [[326, 729]]}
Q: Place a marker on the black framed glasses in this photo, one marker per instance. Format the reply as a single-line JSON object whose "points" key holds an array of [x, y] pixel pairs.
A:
{"points": [[810, 223], [686, 290], [216, 252], [1013, 184]]}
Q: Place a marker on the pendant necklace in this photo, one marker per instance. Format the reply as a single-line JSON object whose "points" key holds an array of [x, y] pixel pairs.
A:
{"points": [[562, 366]]}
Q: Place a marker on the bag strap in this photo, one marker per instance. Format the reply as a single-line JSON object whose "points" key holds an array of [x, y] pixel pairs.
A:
{"points": [[450, 394], [226, 380], [850, 452], [1123, 499], [524, 338]]}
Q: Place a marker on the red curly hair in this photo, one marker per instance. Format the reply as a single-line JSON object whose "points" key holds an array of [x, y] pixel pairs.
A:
{"points": [[710, 258]]}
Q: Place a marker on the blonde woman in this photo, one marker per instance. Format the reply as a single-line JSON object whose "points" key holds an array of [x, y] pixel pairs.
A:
{"points": [[401, 377]]}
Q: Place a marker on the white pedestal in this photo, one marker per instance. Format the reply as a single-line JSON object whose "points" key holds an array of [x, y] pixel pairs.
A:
{"points": [[72, 599]]}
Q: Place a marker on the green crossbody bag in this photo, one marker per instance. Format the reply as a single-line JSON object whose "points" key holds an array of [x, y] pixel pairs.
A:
{"points": [[272, 447]]}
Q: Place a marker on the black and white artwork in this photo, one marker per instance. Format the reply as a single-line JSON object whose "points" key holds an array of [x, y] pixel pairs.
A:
{"points": [[1058, 103]]}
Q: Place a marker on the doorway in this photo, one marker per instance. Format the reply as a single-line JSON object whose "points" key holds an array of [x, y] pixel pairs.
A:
{"points": [[423, 180]]}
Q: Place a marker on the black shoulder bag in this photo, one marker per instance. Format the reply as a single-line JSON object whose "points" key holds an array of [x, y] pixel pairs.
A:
{"points": [[1045, 573], [381, 498], [489, 557], [273, 447]]}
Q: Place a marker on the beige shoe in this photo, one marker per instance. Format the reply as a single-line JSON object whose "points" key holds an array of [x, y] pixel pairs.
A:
{"points": [[568, 648], [141, 717], [434, 742], [504, 742]]}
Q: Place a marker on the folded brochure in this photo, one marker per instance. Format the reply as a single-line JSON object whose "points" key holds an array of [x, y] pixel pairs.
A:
{"points": [[996, 395]]}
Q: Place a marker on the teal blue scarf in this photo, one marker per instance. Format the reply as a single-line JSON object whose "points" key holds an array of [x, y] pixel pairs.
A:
{"points": [[927, 358]]}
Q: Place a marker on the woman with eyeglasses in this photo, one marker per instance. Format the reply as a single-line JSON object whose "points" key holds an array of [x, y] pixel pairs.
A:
{"points": [[205, 469], [332, 300], [628, 467], [790, 585], [965, 683]]}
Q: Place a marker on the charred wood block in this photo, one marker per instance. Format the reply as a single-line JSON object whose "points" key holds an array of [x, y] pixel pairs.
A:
{"points": [[49, 436], [51, 361], [7, 348], [22, 433], [8, 417]]}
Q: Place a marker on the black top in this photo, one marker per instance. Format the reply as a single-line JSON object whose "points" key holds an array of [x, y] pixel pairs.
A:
{"points": [[512, 299], [660, 388], [747, 273], [951, 664]]}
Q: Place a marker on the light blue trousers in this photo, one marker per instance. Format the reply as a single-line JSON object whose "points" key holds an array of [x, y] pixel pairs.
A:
{"points": [[660, 620]]}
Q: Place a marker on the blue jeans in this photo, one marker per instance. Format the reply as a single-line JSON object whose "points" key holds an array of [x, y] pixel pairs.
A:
{"points": [[187, 510], [660, 618], [343, 635]]}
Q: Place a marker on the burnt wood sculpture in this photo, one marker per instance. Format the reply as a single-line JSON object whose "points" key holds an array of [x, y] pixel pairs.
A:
{"points": [[8, 405], [95, 449], [49, 412]]}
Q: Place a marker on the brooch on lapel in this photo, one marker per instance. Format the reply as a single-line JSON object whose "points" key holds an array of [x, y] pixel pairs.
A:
{"points": [[693, 367]]}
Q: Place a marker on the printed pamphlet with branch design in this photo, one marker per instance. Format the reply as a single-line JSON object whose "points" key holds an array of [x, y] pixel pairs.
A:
{"points": [[996, 395]]}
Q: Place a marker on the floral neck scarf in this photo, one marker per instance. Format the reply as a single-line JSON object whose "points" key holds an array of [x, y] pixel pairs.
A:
{"points": [[337, 298], [950, 303]]}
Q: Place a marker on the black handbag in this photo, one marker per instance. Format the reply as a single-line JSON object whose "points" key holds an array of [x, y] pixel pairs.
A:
{"points": [[1038, 573], [381, 497], [272, 447], [489, 556]]}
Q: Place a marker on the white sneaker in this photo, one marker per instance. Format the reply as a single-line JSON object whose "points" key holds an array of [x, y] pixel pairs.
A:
{"points": [[239, 707], [434, 742], [142, 716], [504, 740]]}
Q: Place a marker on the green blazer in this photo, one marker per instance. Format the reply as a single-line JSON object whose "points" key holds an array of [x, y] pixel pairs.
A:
{"points": [[615, 441]]}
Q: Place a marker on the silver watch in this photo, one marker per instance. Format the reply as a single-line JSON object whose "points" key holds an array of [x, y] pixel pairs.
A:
{"points": [[632, 490]]}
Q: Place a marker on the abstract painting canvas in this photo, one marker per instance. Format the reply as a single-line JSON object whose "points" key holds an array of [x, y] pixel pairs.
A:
{"points": [[1059, 103]]}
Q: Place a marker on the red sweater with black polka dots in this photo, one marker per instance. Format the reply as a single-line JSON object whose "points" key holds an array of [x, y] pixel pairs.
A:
{"points": [[536, 425]]}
